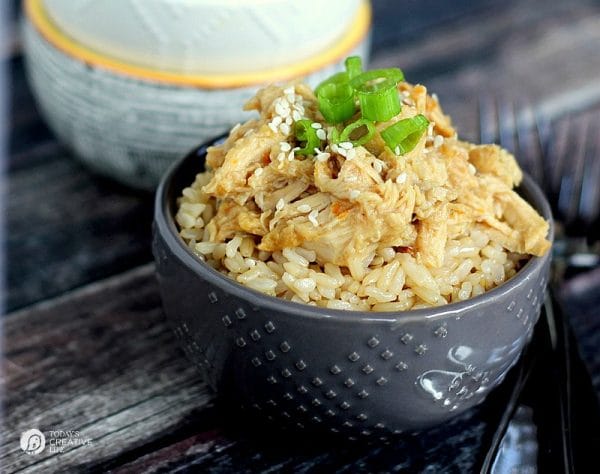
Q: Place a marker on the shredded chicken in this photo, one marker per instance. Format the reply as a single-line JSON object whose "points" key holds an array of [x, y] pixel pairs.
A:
{"points": [[345, 204]]}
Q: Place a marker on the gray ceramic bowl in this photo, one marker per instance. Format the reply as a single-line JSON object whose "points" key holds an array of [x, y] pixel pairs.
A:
{"points": [[368, 374]]}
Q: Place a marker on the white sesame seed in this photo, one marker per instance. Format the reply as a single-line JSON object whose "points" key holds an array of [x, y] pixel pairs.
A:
{"points": [[438, 141], [304, 208], [296, 115], [354, 193], [351, 154], [285, 128], [291, 156], [321, 135], [434, 96], [285, 146], [280, 204], [472, 169], [397, 150], [377, 166], [342, 151], [289, 120], [312, 217], [346, 145], [323, 156], [290, 98], [258, 171], [298, 98], [289, 90], [316, 125], [273, 127], [277, 120], [281, 157], [401, 179]]}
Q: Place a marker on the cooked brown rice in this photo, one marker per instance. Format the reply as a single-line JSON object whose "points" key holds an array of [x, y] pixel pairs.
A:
{"points": [[358, 228]]}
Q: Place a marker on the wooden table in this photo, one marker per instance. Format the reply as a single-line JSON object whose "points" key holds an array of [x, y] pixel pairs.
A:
{"points": [[87, 356]]}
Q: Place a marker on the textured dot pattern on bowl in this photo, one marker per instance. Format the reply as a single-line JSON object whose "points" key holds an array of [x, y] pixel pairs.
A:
{"points": [[131, 128], [358, 373]]}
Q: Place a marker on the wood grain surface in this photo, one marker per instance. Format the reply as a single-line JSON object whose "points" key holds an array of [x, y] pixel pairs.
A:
{"points": [[85, 344]]}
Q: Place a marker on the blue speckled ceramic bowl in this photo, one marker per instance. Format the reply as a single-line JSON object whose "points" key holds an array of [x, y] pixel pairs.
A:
{"points": [[369, 374]]}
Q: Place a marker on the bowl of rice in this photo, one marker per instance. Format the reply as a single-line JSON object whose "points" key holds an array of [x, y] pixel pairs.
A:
{"points": [[361, 271]]}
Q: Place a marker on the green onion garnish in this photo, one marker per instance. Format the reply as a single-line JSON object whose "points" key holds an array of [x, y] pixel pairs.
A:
{"points": [[345, 136], [336, 98], [353, 66], [336, 102], [306, 133], [377, 93], [404, 135]]}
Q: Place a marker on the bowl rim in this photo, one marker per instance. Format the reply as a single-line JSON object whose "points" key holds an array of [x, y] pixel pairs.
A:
{"points": [[356, 33], [164, 225]]}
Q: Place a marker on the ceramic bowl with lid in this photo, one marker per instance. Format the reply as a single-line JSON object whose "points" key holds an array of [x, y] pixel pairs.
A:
{"points": [[130, 121]]}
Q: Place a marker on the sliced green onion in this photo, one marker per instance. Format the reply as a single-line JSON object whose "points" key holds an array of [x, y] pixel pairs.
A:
{"points": [[345, 136], [404, 135], [305, 133], [336, 102], [377, 93], [338, 78], [353, 66]]}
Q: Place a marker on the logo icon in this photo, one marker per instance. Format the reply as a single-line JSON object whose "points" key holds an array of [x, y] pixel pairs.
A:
{"points": [[33, 441]]}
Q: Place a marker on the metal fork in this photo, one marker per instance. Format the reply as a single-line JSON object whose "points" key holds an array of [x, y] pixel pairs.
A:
{"points": [[564, 158]]}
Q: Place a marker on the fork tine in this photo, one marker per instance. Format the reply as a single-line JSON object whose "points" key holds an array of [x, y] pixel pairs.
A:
{"points": [[488, 128], [589, 204], [569, 195], [507, 126], [555, 157], [529, 142]]}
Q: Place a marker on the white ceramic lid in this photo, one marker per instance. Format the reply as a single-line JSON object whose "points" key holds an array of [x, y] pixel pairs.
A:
{"points": [[205, 36]]}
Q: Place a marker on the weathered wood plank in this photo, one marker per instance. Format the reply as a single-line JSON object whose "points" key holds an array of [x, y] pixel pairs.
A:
{"points": [[101, 361], [537, 52]]}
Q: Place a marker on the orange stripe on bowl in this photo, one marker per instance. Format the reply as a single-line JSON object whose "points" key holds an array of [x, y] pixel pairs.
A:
{"points": [[357, 32]]}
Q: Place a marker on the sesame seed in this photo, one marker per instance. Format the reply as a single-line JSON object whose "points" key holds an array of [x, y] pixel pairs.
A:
{"points": [[289, 90], [346, 145], [434, 96], [401, 179], [377, 166], [280, 204], [289, 120], [291, 156], [258, 171], [296, 115], [285, 128], [438, 141], [277, 120], [316, 125], [397, 150], [351, 154], [312, 217], [323, 156], [472, 169], [273, 127], [343, 152], [281, 157], [354, 193], [321, 135], [285, 146], [304, 208]]}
